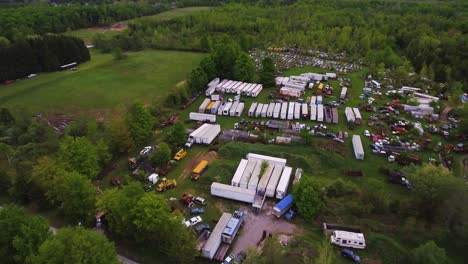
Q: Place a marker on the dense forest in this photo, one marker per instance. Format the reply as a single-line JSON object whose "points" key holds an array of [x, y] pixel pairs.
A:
{"points": [[431, 35], [18, 22], [40, 54]]}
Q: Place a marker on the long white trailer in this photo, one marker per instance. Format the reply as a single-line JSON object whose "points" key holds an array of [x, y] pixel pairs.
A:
{"points": [[214, 240], [271, 108], [250, 90], [208, 135], [349, 115], [274, 179], [357, 115], [284, 110], [239, 109], [358, 149], [234, 106], [239, 172], [259, 110], [252, 109], [343, 93], [202, 117], [320, 112], [283, 184], [221, 108], [265, 178], [313, 100], [227, 108], [264, 110], [246, 88], [255, 177], [291, 110], [313, 112], [277, 110], [241, 87], [257, 91], [259, 157], [305, 110], [297, 111], [244, 182], [319, 100], [232, 192], [203, 105], [221, 84]]}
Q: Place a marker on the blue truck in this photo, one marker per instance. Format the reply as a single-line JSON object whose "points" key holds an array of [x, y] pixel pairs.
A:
{"points": [[283, 206]]}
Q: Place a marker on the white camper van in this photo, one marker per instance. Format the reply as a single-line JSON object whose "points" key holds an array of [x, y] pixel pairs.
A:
{"points": [[348, 239]]}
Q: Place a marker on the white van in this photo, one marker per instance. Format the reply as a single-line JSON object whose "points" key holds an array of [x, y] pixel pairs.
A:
{"points": [[348, 239]]}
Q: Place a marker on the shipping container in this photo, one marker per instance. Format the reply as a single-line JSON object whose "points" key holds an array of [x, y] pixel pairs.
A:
{"points": [[239, 109], [297, 111], [264, 110], [265, 178], [241, 87], [244, 182], [227, 108], [232, 111], [257, 91], [283, 184], [239, 172], [221, 84], [221, 108], [255, 177], [259, 157]]}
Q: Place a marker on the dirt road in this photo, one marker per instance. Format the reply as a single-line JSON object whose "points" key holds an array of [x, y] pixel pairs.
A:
{"points": [[254, 225]]}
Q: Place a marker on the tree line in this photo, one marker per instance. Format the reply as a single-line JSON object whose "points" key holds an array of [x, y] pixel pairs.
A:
{"points": [[40, 54], [16, 23], [431, 35]]}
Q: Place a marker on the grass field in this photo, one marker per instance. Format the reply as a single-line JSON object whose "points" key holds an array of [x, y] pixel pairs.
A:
{"points": [[102, 83], [87, 34]]}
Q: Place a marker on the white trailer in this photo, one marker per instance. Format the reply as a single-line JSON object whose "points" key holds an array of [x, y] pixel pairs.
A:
{"points": [[259, 110], [343, 93], [277, 110], [291, 92], [246, 88], [241, 87], [274, 179], [232, 192], [297, 111], [234, 106], [283, 184], [214, 240], [239, 109], [270, 109], [305, 110], [348, 239], [264, 110], [225, 85], [357, 115], [236, 87], [320, 112], [227, 108], [209, 135], [221, 108], [202, 117], [257, 90], [203, 105], [252, 109], [313, 112], [278, 81], [291, 110], [239, 172], [284, 110], [255, 177], [349, 115], [319, 100], [358, 149], [259, 157], [313, 100], [230, 87], [199, 131], [251, 88], [244, 182], [221, 84], [265, 178]]}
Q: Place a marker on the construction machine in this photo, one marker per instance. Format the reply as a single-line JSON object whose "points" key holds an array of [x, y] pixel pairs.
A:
{"points": [[166, 184]]}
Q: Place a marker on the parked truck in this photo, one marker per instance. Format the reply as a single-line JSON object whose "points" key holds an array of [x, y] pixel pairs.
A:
{"points": [[199, 170], [202, 117], [232, 192], [283, 206]]}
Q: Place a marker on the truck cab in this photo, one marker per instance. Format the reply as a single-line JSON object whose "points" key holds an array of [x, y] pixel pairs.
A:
{"points": [[189, 143]]}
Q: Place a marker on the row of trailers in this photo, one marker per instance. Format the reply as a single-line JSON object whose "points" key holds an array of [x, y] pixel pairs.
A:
{"points": [[247, 181], [234, 108], [294, 110], [233, 87], [353, 115]]}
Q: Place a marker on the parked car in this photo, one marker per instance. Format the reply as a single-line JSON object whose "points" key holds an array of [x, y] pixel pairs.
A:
{"points": [[350, 255], [202, 227], [197, 210], [229, 259], [199, 200], [193, 221], [290, 214]]}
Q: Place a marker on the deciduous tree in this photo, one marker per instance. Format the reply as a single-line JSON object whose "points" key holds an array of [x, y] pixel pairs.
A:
{"points": [[140, 123], [268, 72], [308, 197], [81, 155]]}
